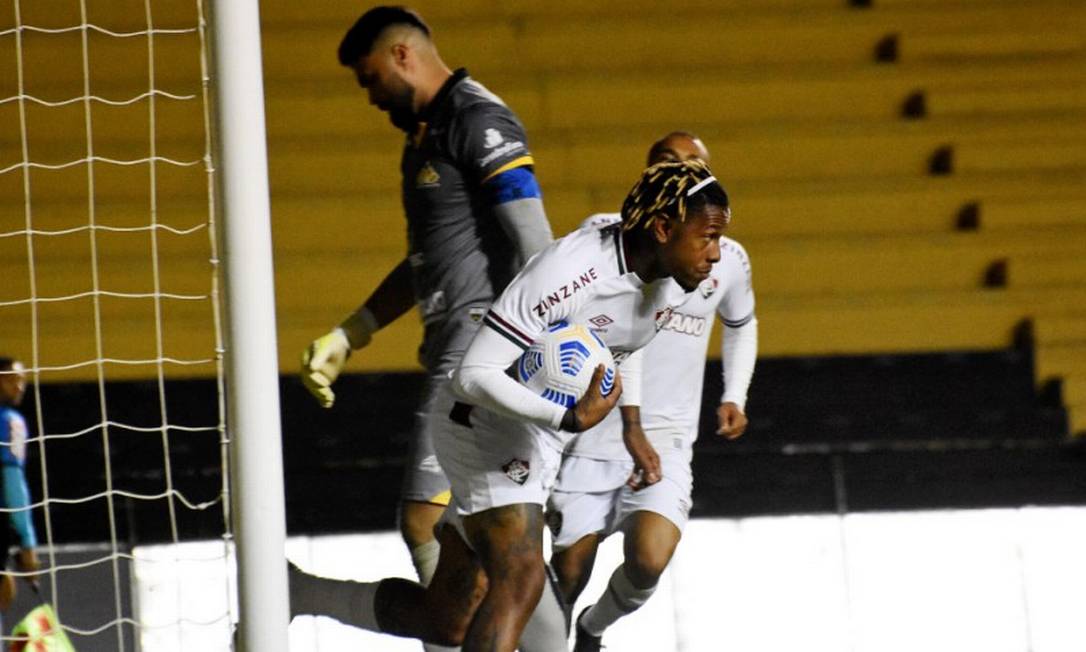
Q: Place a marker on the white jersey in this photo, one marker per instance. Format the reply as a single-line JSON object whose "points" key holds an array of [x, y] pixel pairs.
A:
{"points": [[673, 365], [581, 278]]}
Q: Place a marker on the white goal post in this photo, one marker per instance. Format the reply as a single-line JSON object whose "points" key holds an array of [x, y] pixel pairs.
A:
{"points": [[112, 175], [252, 368]]}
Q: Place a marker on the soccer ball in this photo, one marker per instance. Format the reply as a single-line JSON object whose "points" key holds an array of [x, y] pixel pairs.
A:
{"points": [[560, 363]]}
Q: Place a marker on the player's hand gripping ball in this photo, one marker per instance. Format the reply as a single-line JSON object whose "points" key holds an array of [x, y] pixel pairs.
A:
{"points": [[560, 363]]}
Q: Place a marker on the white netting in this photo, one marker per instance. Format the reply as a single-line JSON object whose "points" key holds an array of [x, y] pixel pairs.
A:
{"points": [[109, 293]]}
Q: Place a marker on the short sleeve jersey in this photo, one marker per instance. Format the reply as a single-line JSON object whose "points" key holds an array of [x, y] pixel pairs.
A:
{"points": [[13, 435], [673, 367], [583, 278], [459, 254]]}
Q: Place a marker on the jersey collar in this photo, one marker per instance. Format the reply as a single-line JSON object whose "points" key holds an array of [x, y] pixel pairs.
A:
{"points": [[620, 252], [441, 98]]}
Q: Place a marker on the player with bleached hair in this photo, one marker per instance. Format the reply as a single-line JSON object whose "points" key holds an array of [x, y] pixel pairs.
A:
{"points": [[601, 490], [624, 280]]}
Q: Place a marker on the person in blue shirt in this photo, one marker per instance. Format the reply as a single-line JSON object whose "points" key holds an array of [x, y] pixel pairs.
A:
{"points": [[16, 495]]}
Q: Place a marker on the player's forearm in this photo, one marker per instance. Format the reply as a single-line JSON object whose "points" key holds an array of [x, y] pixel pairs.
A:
{"points": [[17, 497], [481, 380], [740, 352], [630, 370], [392, 298], [525, 222]]}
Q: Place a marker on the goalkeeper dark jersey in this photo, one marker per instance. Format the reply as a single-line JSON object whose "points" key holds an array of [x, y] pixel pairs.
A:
{"points": [[460, 256]]}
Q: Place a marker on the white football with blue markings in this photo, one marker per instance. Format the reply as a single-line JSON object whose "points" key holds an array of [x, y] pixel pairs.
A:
{"points": [[560, 362]]}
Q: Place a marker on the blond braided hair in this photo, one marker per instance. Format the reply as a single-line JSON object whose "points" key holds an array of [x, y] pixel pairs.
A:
{"points": [[664, 188]]}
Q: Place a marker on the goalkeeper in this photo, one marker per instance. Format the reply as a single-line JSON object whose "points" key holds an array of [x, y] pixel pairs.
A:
{"points": [[474, 216]]}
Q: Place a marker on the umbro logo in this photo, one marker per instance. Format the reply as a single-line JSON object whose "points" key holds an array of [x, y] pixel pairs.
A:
{"points": [[601, 321]]}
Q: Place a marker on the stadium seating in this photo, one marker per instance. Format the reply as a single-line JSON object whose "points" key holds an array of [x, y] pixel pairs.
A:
{"points": [[908, 175]]}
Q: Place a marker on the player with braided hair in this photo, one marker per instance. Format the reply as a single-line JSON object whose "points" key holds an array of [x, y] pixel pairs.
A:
{"points": [[503, 454], [624, 281], [600, 489]]}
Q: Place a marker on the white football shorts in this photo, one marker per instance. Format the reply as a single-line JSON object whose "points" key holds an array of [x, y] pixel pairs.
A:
{"points": [[492, 461], [591, 496]]}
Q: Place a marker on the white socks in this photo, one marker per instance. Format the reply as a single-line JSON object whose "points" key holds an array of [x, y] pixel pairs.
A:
{"points": [[620, 598], [425, 557], [351, 603]]}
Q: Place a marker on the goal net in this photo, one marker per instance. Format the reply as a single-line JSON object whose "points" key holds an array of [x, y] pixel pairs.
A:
{"points": [[109, 295]]}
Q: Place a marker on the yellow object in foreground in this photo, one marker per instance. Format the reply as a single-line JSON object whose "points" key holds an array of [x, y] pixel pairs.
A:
{"points": [[40, 631]]}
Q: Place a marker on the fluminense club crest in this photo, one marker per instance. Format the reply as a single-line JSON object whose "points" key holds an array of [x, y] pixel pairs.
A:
{"points": [[708, 287], [662, 317], [517, 470]]}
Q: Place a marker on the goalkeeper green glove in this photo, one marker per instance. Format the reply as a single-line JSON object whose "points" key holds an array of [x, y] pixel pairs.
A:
{"points": [[325, 357]]}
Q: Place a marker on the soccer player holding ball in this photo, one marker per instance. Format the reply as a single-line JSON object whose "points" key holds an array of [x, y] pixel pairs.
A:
{"points": [[600, 490], [624, 280]]}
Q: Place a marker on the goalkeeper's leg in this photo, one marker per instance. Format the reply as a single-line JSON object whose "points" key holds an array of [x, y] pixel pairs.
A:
{"points": [[439, 613], [425, 492]]}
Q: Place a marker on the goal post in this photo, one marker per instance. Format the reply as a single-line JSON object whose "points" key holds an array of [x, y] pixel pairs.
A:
{"points": [[251, 355]]}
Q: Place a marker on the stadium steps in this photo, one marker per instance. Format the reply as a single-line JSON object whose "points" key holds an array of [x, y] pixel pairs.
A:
{"points": [[880, 324], [802, 139], [1058, 355], [922, 321], [68, 339], [823, 34], [1056, 337], [1044, 213], [1059, 360], [321, 169], [1064, 330], [607, 157], [792, 267], [1046, 270], [290, 13], [1059, 39], [995, 99], [1065, 364], [322, 109], [762, 208], [304, 47], [898, 263], [1074, 397], [1055, 152]]}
